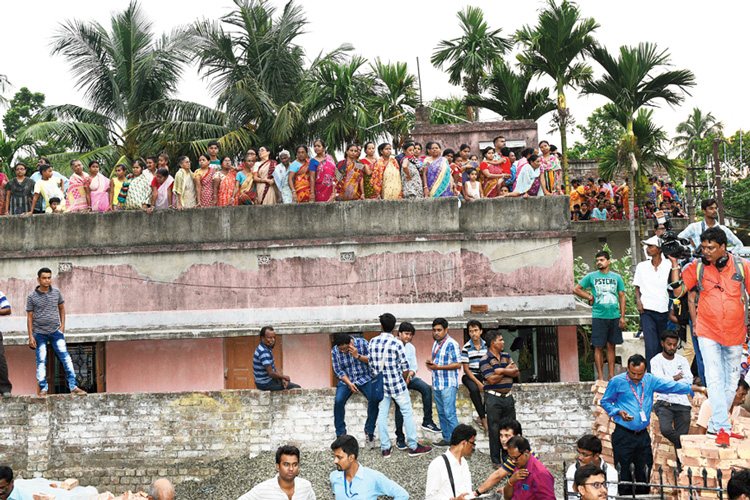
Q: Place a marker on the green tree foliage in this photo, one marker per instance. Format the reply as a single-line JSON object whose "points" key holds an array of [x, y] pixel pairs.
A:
{"points": [[510, 96], [556, 47], [23, 105], [447, 110], [472, 55], [395, 100], [600, 132], [697, 127]]}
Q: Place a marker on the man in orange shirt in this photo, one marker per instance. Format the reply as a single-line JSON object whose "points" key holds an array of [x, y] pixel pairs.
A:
{"points": [[720, 323]]}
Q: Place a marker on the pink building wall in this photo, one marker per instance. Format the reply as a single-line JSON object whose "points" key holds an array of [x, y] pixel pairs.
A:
{"points": [[165, 365], [21, 369], [307, 360]]}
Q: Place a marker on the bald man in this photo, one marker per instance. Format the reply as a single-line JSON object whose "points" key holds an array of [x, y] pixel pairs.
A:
{"points": [[162, 489]]}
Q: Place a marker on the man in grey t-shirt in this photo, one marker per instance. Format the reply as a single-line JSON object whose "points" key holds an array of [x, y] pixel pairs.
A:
{"points": [[45, 321]]}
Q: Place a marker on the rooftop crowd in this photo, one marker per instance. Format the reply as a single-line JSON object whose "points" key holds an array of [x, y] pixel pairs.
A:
{"points": [[260, 178]]}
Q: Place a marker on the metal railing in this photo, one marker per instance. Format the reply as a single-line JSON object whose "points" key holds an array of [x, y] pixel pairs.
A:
{"points": [[636, 488]]}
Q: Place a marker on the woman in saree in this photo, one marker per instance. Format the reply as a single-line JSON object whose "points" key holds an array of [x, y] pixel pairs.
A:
{"points": [[281, 176], [225, 184], [184, 185], [78, 198], [551, 170], [265, 185], [373, 178], [300, 178], [323, 170], [137, 189], [161, 191], [3, 192], [204, 179], [390, 171], [246, 194], [411, 178], [99, 188], [350, 176], [492, 171], [19, 192], [529, 181], [436, 173]]}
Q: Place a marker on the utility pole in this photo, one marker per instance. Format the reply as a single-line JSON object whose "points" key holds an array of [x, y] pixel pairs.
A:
{"points": [[689, 191], [717, 179]]}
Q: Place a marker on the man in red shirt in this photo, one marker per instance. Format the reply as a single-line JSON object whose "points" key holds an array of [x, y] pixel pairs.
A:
{"points": [[721, 321], [531, 480]]}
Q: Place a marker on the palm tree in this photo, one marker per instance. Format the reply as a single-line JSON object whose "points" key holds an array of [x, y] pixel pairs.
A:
{"points": [[697, 127], [555, 47], [631, 82], [511, 97], [4, 87], [129, 76], [395, 102], [340, 99], [472, 55]]}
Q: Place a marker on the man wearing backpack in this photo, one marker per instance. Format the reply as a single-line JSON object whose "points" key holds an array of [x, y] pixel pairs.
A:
{"points": [[721, 280]]}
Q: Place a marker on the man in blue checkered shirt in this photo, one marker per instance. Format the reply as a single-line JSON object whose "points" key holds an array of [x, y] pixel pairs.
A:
{"points": [[387, 355], [5, 385], [445, 363], [351, 365], [710, 214]]}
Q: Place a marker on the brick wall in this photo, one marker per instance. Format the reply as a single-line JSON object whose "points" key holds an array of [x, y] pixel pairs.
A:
{"points": [[127, 440]]}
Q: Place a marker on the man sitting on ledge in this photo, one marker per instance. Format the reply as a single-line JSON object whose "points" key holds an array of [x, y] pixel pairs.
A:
{"points": [[264, 369]]}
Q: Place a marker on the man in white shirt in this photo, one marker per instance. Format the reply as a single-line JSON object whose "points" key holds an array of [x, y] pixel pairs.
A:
{"points": [[448, 476], [588, 452], [673, 410], [651, 280], [286, 485]]}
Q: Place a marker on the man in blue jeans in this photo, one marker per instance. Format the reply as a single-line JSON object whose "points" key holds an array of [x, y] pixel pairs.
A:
{"points": [[351, 364], [444, 363], [45, 320], [406, 334]]}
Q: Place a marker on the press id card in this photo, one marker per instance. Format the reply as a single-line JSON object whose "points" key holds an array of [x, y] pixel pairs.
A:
{"points": [[643, 416]]}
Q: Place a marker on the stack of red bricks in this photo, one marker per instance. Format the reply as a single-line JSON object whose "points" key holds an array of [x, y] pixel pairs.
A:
{"points": [[698, 451]]}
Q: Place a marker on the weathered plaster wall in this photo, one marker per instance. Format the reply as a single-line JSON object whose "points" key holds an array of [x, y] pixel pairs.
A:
{"points": [[455, 134]]}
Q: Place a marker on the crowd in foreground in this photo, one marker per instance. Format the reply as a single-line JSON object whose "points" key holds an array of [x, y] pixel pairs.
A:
{"points": [[259, 178]]}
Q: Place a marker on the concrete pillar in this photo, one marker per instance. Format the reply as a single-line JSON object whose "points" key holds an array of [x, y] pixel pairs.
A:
{"points": [[567, 349]]}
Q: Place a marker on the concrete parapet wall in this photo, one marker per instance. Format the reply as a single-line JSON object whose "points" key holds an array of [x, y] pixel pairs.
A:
{"points": [[130, 439]]}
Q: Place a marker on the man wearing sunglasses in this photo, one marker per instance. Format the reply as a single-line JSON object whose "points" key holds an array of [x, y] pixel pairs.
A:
{"points": [[589, 483], [531, 480], [448, 476]]}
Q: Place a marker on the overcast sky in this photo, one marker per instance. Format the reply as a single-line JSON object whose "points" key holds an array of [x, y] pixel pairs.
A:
{"points": [[708, 38]]}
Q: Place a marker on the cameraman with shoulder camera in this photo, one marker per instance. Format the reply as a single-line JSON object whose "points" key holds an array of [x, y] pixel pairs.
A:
{"points": [[710, 214], [722, 281]]}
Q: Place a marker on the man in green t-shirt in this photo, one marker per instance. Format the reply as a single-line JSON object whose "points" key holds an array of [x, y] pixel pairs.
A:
{"points": [[608, 300]]}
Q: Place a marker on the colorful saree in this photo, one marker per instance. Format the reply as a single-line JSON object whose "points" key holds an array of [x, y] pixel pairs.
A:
{"points": [[301, 180], [3, 189], [373, 182], [206, 198], [267, 194], [226, 187], [99, 193], [552, 172], [439, 178], [391, 174], [348, 175], [246, 193], [325, 177], [491, 187], [76, 200], [138, 193]]}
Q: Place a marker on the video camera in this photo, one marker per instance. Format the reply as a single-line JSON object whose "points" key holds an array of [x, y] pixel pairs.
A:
{"points": [[672, 244]]}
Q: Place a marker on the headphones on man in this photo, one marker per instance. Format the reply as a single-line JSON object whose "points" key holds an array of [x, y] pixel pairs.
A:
{"points": [[720, 263]]}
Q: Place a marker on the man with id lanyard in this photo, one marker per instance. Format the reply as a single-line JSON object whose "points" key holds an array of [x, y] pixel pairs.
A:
{"points": [[628, 400]]}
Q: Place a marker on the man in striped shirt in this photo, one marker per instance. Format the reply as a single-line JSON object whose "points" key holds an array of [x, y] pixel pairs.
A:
{"points": [[498, 370], [445, 363], [387, 355], [45, 321], [264, 368], [5, 385], [351, 365]]}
